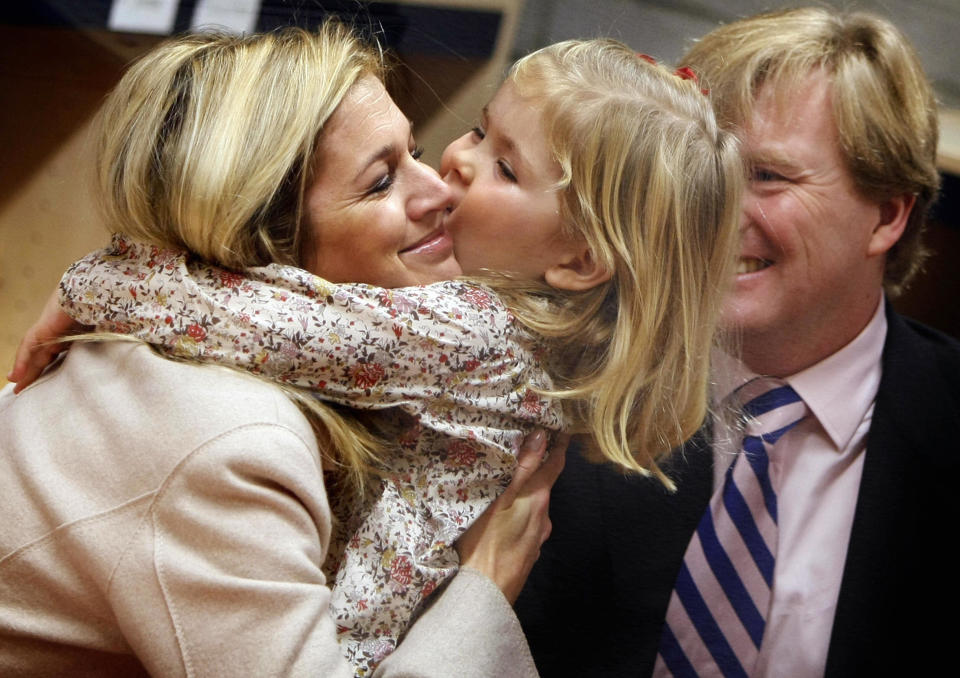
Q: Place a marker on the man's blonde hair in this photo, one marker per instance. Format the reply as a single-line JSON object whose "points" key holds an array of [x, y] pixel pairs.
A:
{"points": [[883, 105], [652, 184]]}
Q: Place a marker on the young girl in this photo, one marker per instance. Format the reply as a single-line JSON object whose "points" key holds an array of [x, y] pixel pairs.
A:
{"points": [[626, 158]]}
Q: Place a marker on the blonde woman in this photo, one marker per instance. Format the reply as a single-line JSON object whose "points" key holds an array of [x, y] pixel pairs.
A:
{"points": [[168, 518]]}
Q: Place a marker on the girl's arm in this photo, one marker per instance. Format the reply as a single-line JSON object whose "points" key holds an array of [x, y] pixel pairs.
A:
{"points": [[356, 344], [41, 344]]}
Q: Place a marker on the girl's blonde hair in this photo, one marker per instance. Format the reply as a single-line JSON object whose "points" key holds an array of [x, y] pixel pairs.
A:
{"points": [[653, 186], [208, 144]]}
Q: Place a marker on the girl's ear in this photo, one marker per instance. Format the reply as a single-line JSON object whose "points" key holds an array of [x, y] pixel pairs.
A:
{"points": [[578, 271]]}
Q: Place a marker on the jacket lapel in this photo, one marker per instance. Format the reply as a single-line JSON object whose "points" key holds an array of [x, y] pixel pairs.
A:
{"points": [[909, 477]]}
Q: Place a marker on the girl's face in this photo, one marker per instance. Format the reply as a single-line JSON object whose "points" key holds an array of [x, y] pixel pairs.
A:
{"points": [[373, 212], [506, 213]]}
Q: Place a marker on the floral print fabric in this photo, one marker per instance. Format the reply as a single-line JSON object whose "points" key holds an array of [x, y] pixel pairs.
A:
{"points": [[444, 368]]}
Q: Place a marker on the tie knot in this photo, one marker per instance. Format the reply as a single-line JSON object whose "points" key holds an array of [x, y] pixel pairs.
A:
{"points": [[771, 407]]}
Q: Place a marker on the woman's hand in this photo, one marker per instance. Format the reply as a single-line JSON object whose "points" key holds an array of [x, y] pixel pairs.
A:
{"points": [[505, 541], [39, 347]]}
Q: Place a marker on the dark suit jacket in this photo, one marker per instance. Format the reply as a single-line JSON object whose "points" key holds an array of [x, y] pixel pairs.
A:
{"points": [[595, 601]]}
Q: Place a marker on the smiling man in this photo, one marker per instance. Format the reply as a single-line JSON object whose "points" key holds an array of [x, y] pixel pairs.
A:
{"points": [[838, 126], [813, 244]]}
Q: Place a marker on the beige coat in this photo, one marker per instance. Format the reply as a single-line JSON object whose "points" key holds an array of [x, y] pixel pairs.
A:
{"points": [[171, 519]]}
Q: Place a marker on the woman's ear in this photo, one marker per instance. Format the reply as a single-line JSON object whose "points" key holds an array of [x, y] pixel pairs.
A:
{"points": [[578, 271]]}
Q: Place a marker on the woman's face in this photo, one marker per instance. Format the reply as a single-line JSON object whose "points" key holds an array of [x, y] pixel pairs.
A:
{"points": [[373, 211], [506, 213]]}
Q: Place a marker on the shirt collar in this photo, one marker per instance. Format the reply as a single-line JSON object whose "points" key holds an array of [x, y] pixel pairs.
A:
{"points": [[838, 390]]}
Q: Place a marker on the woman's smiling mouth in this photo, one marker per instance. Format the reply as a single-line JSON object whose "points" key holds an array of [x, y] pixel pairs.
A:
{"points": [[436, 243]]}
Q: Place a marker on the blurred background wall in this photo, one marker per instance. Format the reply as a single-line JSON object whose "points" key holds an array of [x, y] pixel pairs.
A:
{"points": [[59, 58]]}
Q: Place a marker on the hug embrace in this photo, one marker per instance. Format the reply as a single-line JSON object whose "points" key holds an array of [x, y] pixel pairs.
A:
{"points": [[291, 438], [318, 395]]}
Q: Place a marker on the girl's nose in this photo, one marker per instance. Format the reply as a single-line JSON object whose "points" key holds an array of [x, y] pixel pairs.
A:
{"points": [[456, 164]]}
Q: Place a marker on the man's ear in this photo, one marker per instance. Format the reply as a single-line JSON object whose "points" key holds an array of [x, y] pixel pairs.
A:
{"points": [[578, 271], [894, 213]]}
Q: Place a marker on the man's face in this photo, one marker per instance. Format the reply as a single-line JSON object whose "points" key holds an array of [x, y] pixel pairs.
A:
{"points": [[809, 276]]}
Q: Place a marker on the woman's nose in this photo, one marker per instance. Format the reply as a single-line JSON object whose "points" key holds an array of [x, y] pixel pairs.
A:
{"points": [[430, 194]]}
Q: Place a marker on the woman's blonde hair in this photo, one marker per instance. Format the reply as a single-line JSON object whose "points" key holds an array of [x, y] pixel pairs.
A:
{"points": [[883, 106], [208, 144], [652, 185]]}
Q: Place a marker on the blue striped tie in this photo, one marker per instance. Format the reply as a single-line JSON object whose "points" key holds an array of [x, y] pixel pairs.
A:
{"points": [[719, 606]]}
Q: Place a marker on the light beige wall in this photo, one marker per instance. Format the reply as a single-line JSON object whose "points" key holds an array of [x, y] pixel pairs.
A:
{"points": [[51, 82], [44, 226]]}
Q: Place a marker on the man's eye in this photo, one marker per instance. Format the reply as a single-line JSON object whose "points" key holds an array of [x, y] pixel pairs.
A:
{"points": [[417, 153], [760, 174], [478, 132]]}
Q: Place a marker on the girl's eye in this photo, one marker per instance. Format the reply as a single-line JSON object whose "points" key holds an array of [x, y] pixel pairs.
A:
{"points": [[502, 167], [417, 153]]}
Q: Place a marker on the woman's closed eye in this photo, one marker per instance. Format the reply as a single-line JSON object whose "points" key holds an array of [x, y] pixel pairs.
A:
{"points": [[382, 184], [385, 181]]}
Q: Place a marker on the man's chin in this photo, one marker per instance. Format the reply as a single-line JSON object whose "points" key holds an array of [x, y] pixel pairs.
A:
{"points": [[745, 314]]}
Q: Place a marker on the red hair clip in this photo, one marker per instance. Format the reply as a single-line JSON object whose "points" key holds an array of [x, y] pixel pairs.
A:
{"points": [[687, 73], [684, 73]]}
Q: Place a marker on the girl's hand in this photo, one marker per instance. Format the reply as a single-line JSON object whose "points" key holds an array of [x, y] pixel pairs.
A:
{"points": [[505, 541], [39, 347]]}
